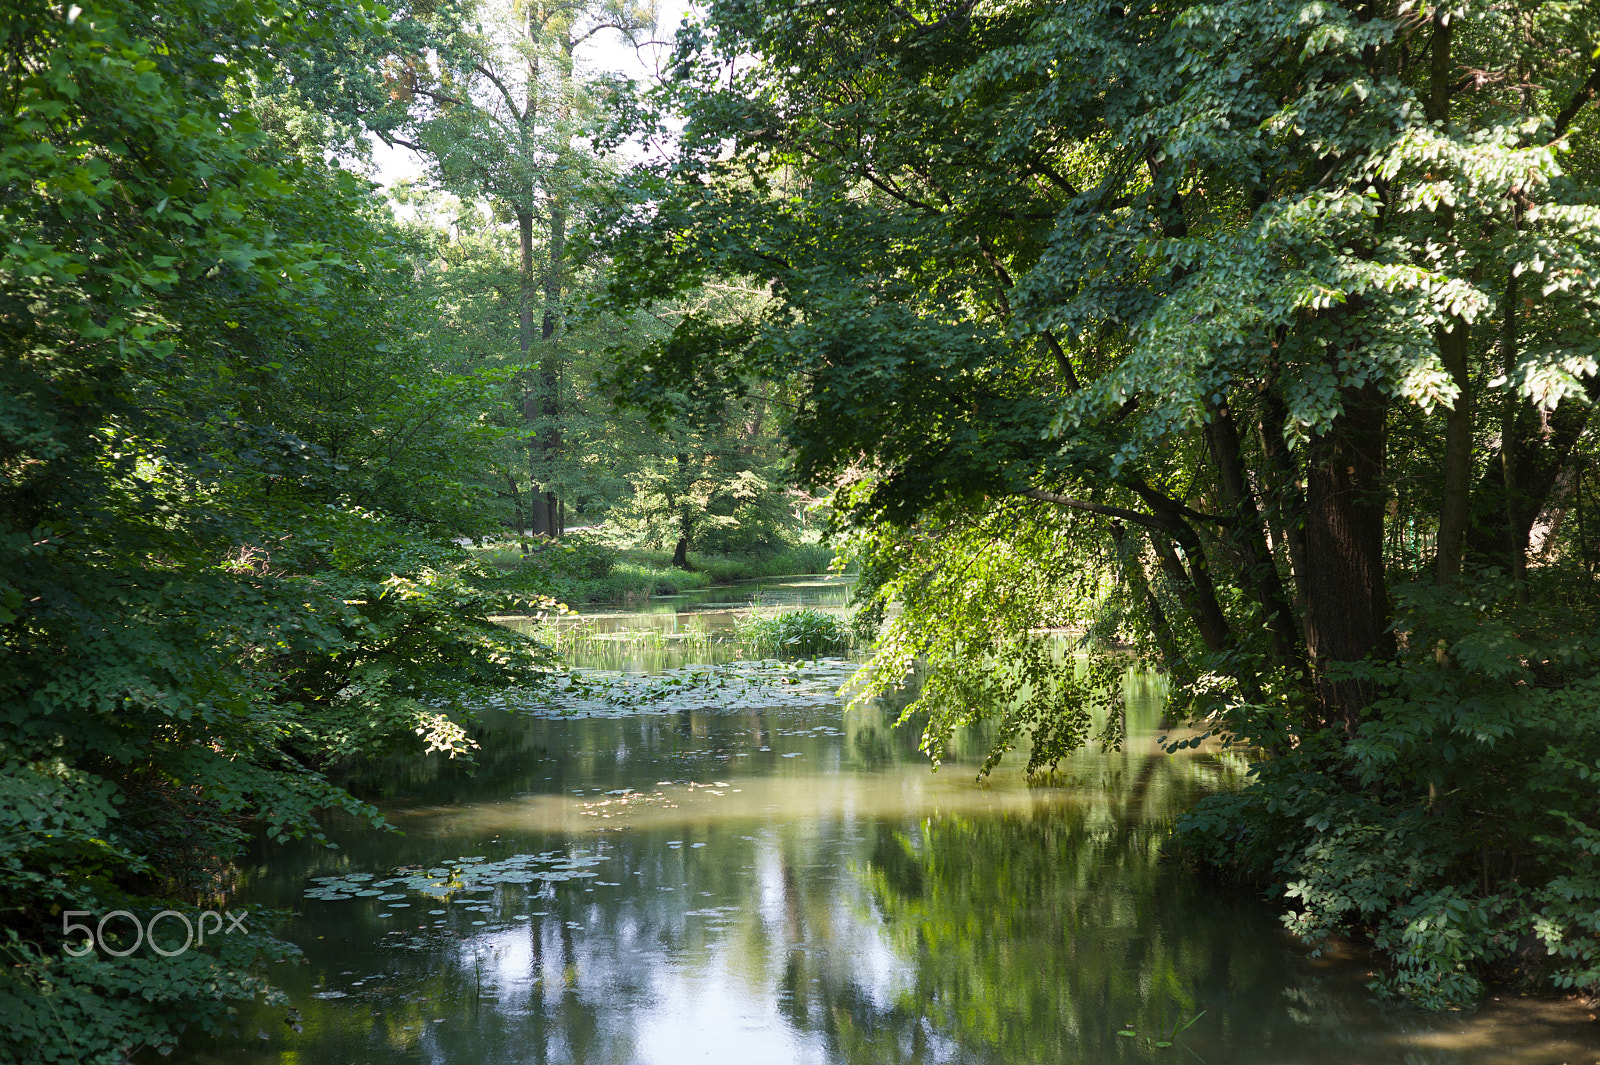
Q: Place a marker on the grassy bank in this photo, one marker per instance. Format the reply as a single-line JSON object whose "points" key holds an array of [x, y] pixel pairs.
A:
{"points": [[582, 569]]}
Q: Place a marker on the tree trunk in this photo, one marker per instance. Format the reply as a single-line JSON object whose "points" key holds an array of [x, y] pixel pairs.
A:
{"points": [[1516, 528], [1346, 595], [1534, 448], [1584, 557], [554, 270], [533, 405], [1249, 535], [1199, 594], [550, 366], [516, 505], [1454, 345], [1541, 447], [525, 285], [1286, 505], [1454, 342], [1199, 597], [1133, 567]]}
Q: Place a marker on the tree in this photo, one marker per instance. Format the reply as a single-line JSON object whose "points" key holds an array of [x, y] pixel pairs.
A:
{"points": [[1181, 272], [697, 485], [217, 579], [1095, 229], [492, 97], [612, 460]]}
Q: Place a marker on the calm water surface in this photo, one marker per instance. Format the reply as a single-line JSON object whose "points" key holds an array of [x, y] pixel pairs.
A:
{"points": [[747, 873]]}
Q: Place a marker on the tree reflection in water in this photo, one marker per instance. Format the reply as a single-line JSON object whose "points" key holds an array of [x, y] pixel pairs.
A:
{"points": [[794, 885]]}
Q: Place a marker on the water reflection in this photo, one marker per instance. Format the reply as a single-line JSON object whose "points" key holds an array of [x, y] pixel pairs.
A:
{"points": [[791, 884], [672, 631]]}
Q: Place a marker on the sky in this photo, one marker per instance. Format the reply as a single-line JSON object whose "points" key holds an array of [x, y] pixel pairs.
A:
{"points": [[606, 51]]}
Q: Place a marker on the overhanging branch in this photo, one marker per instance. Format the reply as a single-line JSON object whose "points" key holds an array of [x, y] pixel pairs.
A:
{"points": [[1590, 89], [1148, 521]]}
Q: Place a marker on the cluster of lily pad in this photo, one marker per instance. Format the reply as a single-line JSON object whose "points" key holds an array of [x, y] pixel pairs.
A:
{"points": [[736, 687], [461, 875]]}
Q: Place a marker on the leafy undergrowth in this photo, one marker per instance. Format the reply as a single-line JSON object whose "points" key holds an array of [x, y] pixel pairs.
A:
{"points": [[1459, 828], [176, 739]]}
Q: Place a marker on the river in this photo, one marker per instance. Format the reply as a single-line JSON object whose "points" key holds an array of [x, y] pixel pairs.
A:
{"points": [[719, 864]]}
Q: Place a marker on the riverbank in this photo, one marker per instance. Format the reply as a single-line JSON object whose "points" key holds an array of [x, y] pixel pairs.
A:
{"points": [[585, 568]]}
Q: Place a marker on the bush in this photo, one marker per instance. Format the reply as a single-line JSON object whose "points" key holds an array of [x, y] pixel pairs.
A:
{"points": [[575, 557], [793, 634], [1458, 826]]}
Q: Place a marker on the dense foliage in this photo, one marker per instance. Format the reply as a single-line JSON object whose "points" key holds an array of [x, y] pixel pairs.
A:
{"points": [[229, 475], [1260, 334], [1261, 337]]}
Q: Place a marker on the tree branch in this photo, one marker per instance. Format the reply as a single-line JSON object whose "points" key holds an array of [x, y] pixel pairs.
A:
{"points": [[1063, 364], [1148, 521], [627, 30], [1580, 98], [505, 93], [392, 141], [893, 190], [1165, 504], [1048, 172]]}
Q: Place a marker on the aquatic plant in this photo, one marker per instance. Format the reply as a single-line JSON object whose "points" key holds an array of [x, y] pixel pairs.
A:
{"points": [[802, 633], [464, 875], [1164, 1038], [731, 688]]}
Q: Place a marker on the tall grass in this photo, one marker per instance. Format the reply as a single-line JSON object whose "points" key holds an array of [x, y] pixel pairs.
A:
{"points": [[804, 558], [803, 633]]}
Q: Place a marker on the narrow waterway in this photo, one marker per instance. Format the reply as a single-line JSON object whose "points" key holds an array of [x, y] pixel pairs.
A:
{"points": [[718, 863]]}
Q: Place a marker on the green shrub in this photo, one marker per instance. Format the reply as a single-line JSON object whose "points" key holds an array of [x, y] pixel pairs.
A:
{"points": [[1457, 827], [794, 634]]}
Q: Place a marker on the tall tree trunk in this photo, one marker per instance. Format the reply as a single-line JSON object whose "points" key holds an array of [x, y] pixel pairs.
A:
{"points": [[1454, 340], [1541, 445], [1516, 530], [1454, 507], [1285, 502], [1346, 594], [525, 285], [516, 504], [550, 363], [1200, 591], [1133, 567], [1584, 558], [1199, 595], [532, 407]]}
